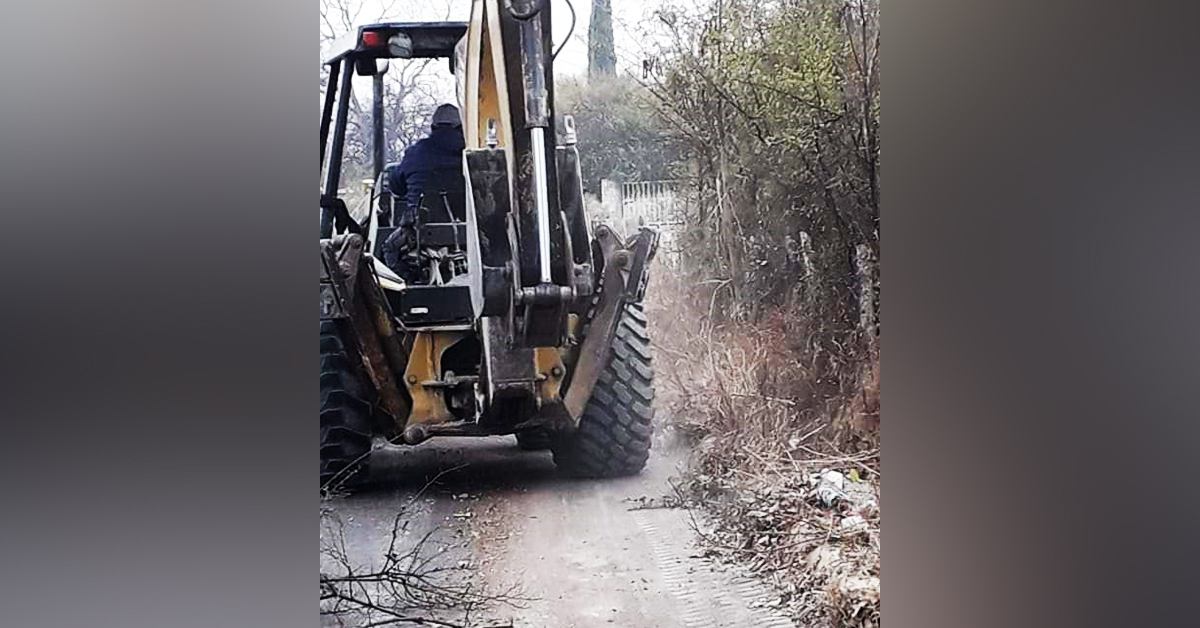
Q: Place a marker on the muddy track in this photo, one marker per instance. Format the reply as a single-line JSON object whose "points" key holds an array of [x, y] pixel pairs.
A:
{"points": [[575, 547]]}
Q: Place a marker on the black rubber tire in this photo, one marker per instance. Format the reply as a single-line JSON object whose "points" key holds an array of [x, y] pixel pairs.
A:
{"points": [[345, 408], [533, 440], [614, 434]]}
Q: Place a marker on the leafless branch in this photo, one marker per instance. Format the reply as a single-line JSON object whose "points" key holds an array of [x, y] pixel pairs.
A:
{"points": [[411, 584]]}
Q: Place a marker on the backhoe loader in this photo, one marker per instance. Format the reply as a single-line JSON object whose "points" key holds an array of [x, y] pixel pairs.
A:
{"points": [[528, 320]]}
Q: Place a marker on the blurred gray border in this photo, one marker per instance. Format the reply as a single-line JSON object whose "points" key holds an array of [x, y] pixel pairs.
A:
{"points": [[160, 177]]}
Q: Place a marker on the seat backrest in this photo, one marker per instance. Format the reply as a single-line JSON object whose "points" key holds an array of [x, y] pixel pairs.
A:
{"points": [[443, 186]]}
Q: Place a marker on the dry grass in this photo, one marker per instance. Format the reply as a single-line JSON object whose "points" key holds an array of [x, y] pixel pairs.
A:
{"points": [[751, 399]]}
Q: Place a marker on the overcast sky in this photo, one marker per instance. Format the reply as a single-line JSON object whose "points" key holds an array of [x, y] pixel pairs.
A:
{"points": [[630, 18]]}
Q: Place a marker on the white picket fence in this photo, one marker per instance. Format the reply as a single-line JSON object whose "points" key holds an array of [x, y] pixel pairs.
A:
{"points": [[657, 204]]}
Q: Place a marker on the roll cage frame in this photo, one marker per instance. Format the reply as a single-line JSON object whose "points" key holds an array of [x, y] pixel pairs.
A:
{"points": [[360, 51]]}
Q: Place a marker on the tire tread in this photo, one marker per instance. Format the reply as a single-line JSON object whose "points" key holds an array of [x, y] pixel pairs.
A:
{"points": [[615, 432]]}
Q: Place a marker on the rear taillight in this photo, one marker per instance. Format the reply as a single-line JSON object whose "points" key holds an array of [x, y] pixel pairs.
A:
{"points": [[373, 39]]}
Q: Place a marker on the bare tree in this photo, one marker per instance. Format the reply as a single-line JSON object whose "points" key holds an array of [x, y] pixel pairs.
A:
{"points": [[412, 89]]}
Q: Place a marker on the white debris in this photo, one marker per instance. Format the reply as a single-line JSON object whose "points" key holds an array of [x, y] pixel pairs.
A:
{"points": [[831, 488]]}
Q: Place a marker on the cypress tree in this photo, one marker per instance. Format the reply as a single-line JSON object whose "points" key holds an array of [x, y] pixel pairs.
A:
{"points": [[602, 57]]}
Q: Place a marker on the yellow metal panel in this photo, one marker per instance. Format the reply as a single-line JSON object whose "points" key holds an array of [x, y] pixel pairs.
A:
{"points": [[486, 91], [425, 365], [471, 92], [548, 364]]}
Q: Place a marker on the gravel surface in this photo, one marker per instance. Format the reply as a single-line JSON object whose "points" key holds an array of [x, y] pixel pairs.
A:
{"points": [[577, 548]]}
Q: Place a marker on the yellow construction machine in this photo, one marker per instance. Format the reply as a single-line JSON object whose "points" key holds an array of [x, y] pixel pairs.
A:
{"points": [[529, 321]]}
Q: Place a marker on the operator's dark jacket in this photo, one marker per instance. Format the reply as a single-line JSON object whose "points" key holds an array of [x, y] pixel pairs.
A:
{"points": [[442, 149]]}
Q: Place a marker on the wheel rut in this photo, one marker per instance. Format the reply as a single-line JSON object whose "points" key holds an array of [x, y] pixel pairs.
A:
{"points": [[573, 548]]}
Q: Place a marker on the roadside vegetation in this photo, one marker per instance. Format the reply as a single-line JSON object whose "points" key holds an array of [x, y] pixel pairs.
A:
{"points": [[766, 317]]}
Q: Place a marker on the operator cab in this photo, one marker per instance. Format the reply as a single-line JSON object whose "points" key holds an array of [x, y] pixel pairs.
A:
{"points": [[366, 51], [442, 296]]}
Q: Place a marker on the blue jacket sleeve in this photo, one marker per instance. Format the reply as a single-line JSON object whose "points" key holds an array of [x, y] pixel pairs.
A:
{"points": [[396, 182]]}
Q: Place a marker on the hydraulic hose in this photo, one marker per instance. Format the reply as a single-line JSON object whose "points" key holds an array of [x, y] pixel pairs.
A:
{"points": [[569, 32]]}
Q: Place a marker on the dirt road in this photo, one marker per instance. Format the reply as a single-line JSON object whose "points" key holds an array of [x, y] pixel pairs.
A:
{"points": [[574, 547]]}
